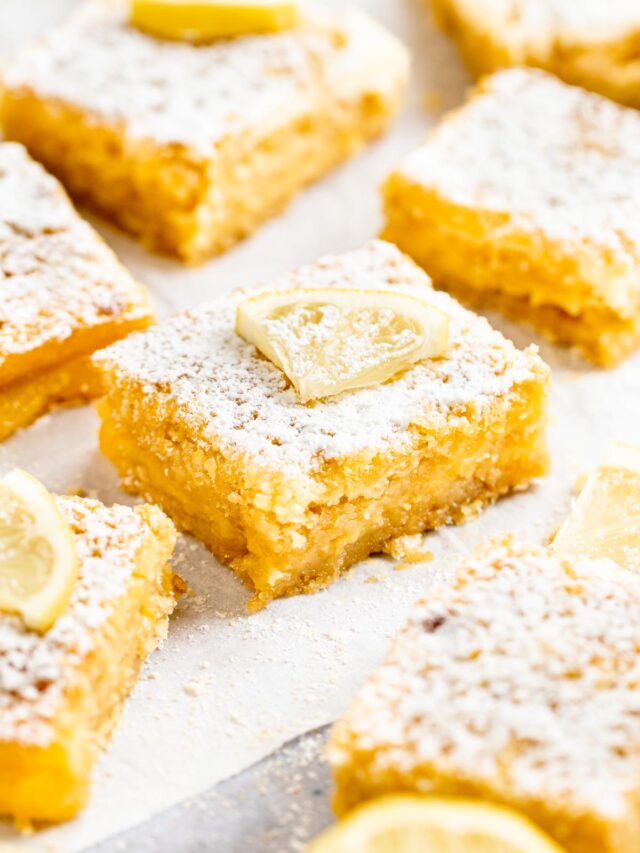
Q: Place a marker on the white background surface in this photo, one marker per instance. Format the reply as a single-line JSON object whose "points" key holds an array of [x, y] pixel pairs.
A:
{"points": [[227, 687]]}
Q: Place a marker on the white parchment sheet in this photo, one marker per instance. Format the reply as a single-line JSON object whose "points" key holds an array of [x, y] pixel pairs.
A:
{"points": [[226, 687]]}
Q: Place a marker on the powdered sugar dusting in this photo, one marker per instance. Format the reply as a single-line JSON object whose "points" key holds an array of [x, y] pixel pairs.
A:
{"points": [[56, 276], [175, 92], [36, 670], [522, 676], [554, 159], [540, 23], [241, 402]]}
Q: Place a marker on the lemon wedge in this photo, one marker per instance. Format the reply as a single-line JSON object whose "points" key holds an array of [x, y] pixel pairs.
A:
{"points": [[38, 559], [330, 340], [207, 20], [605, 520], [408, 823]]}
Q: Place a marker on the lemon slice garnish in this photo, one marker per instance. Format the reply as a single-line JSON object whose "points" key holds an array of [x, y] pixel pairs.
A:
{"points": [[414, 824], [38, 559], [207, 20], [330, 340], [605, 520]]}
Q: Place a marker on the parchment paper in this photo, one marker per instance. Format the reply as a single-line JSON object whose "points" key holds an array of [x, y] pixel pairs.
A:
{"points": [[227, 688]]}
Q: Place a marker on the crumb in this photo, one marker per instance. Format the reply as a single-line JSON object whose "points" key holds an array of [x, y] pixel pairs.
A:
{"points": [[372, 579], [180, 586], [409, 549], [193, 688], [76, 492]]}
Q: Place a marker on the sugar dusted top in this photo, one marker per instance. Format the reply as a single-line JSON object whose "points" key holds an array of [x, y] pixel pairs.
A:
{"points": [[235, 399], [556, 159], [539, 23], [57, 277], [196, 95], [35, 670], [521, 675]]}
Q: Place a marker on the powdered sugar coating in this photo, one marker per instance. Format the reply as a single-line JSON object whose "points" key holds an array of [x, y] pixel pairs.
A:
{"points": [[35, 670], [240, 402], [522, 675], [57, 277], [554, 159], [197, 95], [540, 23]]}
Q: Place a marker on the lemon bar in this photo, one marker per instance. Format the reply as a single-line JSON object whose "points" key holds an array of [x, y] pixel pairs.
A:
{"points": [[524, 200], [192, 146], [63, 294], [61, 692], [517, 684], [288, 494], [592, 44]]}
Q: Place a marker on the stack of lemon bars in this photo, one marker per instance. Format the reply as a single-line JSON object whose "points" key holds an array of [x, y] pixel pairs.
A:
{"points": [[338, 411]]}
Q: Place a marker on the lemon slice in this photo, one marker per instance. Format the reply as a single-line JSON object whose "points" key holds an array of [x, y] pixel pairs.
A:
{"points": [[415, 824], [330, 340], [38, 560], [207, 20], [605, 520]]}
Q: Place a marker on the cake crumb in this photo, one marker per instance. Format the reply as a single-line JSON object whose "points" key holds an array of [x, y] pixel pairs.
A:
{"points": [[76, 491], [409, 549]]}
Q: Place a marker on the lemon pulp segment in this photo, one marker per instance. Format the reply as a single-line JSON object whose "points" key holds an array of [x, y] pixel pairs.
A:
{"points": [[38, 559], [605, 520], [407, 823], [331, 340]]}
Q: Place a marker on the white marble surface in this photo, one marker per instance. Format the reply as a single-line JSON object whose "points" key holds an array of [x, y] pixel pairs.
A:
{"points": [[227, 687]]}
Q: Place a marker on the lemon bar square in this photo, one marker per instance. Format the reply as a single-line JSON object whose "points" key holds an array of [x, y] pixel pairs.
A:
{"points": [[192, 146], [63, 294], [525, 200], [592, 44], [61, 692], [517, 684], [289, 495]]}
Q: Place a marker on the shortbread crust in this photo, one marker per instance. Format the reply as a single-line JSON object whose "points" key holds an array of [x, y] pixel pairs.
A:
{"points": [[517, 683], [63, 294], [193, 146], [288, 494], [524, 200]]}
